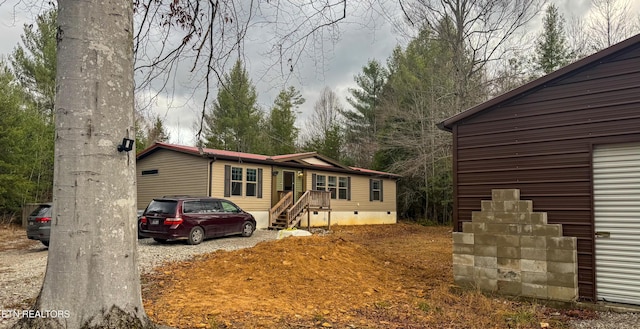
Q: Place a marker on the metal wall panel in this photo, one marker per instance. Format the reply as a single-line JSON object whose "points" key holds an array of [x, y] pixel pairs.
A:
{"points": [[541, 142], [616, 194]]}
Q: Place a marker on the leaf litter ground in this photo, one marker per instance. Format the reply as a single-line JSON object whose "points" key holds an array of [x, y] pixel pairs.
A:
{"points": [[377, 276]]}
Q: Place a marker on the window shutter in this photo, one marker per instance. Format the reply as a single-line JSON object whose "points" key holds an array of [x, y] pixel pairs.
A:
{"points": [[259, 183], [349, 188], [370, 189], [313, 182], [381, 191], [227, 181]]}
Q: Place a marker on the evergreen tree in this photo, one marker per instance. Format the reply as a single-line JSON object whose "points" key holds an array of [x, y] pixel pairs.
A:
{"points": [[34, 62], [16, 130], [361, 123], [233, 123], [281, 122], [552, 51], [34, 66]]}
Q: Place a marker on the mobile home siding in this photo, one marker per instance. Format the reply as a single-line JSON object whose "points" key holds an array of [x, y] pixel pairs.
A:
{"points": [[178, 174], [359, 200], [248, 203], [542, 141]]}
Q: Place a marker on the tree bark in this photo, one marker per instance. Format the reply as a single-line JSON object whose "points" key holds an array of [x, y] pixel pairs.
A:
{"points": [[92, 274]]}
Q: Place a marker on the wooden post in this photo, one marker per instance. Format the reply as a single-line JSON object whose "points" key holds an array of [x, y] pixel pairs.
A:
{"points": [[308, 219], [329, 217]]}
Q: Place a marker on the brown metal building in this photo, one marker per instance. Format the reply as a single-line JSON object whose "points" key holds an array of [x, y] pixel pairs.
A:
{"points": [[570, 141]]}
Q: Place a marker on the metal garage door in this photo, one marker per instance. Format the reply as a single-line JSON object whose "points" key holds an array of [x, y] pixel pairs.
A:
{"points": [[616, 187]]}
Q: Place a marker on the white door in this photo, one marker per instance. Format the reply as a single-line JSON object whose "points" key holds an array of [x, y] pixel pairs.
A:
{"points": [[616, 194]]}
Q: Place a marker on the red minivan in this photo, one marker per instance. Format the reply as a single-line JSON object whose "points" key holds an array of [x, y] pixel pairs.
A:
{"points": [[194, 219]]}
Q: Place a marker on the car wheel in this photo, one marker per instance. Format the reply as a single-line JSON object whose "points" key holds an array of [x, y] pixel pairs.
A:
{"points": [[196, 235], [160, 240], [247, 229], [45, 243]]}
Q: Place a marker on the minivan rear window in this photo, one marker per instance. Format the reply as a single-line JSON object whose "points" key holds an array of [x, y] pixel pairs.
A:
{"points": [[162, 207], [41, 211]]}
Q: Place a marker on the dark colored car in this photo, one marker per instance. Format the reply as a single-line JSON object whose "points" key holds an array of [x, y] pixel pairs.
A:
{"points": [[194, 219], [39, 224]]}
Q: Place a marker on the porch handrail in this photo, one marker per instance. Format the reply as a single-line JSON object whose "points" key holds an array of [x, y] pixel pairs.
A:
{"points": [[298, 207], [280, 207], [310, 198]]}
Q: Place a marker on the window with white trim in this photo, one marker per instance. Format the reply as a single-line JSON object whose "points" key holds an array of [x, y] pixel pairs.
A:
{"points": [[236, 181], [376, 190], [252, 181], [343, 188]]}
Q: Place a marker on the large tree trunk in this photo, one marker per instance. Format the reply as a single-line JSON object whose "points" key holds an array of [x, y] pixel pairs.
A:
{"points": [[92, 274]]}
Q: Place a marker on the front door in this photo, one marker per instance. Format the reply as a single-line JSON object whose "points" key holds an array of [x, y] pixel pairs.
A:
{"points": [[616, 198], [289, 182]]}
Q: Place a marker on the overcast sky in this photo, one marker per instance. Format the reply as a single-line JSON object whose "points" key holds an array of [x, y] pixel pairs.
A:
{"points": [[361, 40]]}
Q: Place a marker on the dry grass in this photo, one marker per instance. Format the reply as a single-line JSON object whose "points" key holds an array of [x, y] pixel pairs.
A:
{"points": [[384, 276]]}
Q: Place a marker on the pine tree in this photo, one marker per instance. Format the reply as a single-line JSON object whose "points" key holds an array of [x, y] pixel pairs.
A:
{"points": [[552, 51], [361, 123], [233, 122], [282, 130]]}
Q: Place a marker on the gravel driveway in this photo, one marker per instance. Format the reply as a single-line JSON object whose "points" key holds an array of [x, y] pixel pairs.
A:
{"points": [[22, 271]]}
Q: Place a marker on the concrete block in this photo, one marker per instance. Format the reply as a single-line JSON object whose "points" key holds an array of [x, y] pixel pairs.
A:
{"points": [[463, 249], [569, 280], [483, 250], [483, 261], [514, 229], [484, 240], [511, 206], [529, 265], [467, 227], [564, 242], [509, 264], [497, 206], [509, 275], [478, 228], [505, 194], [547, 230], [497, 228], [464, 281], [482, 216], [512, 288], [508, 240], [534, 290], [463, 238], [485, 273], [509, 252], [463, 270], [562, 293], [505, 217], [560, 267], [525, 206], [534, 277], [538, 218], [486, 205], [487, 284], [562, 255], [526, 230], [539, 242], [467, 260], [533, 253]]}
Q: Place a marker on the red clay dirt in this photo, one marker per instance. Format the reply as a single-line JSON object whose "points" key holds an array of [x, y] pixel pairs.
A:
{"points": [[378, 276]]}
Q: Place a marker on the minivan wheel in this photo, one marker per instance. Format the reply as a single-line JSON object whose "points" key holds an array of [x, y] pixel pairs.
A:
{"points": [[45, 243], [247, 229], [196, 235]]}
